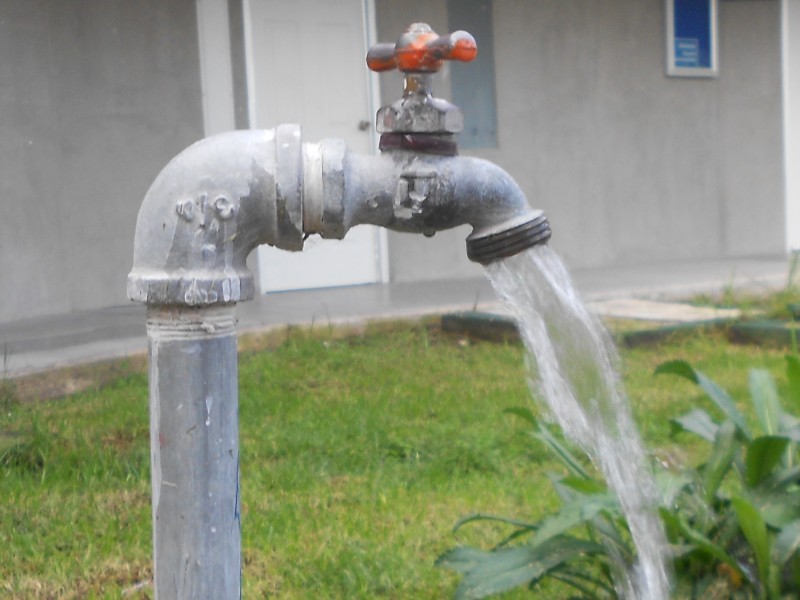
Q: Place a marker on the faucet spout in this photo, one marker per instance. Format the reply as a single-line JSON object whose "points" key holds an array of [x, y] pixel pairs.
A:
{"points": [[433, 188], [424, 193]]}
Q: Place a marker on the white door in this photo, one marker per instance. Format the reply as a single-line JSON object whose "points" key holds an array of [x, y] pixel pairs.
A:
{"points": [[306, 65]]}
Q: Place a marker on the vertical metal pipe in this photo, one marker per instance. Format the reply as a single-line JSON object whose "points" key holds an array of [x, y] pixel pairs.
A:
{"points": [[207, 209], [194, 443]]}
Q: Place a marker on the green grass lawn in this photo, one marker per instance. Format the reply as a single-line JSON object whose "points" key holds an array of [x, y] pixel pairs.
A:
{"points": [[359, 452]]}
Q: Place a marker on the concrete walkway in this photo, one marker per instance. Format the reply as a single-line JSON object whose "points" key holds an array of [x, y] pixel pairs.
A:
{"points": [[42, 344]]}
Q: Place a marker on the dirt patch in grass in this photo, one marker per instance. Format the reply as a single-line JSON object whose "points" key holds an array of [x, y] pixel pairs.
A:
{"points": [[58, 383], [61, 382], [135, 579]]}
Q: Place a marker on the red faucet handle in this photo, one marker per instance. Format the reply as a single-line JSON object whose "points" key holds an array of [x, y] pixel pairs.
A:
{"points": [[422, 50]]}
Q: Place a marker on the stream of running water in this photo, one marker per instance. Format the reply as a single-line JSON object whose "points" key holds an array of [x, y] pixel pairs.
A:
{"points": [[573, 368]]}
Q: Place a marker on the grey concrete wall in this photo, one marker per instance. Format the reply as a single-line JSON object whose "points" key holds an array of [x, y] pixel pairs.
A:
{"points": [[238, 63], [630, 165], [95, 97]]}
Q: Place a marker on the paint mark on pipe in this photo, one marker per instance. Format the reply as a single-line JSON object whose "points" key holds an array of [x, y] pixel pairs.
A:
{"points": [[209, 404]]}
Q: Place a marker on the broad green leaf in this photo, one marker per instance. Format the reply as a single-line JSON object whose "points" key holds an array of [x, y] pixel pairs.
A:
{"points": [[790, 427], [562, 452], [493, 518], [778, 507], [678, 367], [764, 395], [461, 559], [672, 525], [699, 423], [669, 485], [792, 570], [788, 477], [677, 526], [719, 396], [763, 455], [722, 454], [724, 403], [793, 376], [565, 493], [584, 486], [523, 413], [608, 524], [755, 532], [578, 579], [787, 543], [548, 439], [578, 512], [681, 550], [508, 568]]}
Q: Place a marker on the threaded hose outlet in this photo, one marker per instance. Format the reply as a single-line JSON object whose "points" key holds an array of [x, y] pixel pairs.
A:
{"points": [[489, 248]]}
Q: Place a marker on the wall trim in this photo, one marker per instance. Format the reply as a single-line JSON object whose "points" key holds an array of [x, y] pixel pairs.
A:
{"points": [[216, 72]]}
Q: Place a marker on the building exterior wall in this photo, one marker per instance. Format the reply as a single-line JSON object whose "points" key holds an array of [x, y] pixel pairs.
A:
{"points": [[630, 165], [95, 97]]}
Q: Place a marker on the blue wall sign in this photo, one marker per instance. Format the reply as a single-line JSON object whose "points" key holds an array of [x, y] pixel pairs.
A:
{"points": [[692, 38]]}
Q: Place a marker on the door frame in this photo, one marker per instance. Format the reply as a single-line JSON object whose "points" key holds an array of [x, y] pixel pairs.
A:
{"points": [[216, 66], [373, 91], [369, 29], [790, 71]]}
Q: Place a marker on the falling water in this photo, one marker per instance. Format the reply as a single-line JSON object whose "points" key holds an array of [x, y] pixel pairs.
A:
{"points": [[574, 360]]}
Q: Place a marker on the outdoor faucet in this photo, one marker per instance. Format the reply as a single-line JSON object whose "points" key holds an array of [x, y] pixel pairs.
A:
{"points": [[435, 189], [222, 197], [225, 195]]}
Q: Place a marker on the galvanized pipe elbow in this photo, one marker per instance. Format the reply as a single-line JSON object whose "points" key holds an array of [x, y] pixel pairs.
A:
{"points": [[209, 208]]}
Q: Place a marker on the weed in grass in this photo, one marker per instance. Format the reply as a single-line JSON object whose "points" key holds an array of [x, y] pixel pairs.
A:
{"points": [[8, 396], [779, 304], [26, 455]]}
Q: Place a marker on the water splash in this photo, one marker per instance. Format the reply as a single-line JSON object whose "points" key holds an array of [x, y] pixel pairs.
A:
{"points": [[575, 362]]}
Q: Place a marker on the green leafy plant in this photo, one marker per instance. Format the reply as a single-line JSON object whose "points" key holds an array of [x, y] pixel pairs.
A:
{"points": [[585, 545], [733, 522]]}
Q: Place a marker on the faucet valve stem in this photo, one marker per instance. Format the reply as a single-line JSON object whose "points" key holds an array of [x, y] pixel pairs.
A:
{"points": [[419, 129], [418, 121], [422, 50]]}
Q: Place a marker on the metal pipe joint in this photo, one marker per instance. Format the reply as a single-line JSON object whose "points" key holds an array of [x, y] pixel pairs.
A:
{"points": [[207, 210], [225, 195]]}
